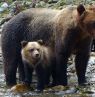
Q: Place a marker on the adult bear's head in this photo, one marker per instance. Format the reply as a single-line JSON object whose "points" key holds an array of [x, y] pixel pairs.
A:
{"points": [[86, 20]]}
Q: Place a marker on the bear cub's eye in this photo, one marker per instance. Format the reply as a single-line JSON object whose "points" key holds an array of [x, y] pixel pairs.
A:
{"points": [[37, 49], [31, 50]]}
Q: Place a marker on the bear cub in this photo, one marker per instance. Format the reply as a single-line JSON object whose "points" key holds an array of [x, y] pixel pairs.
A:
{"points": [[36, 56]]}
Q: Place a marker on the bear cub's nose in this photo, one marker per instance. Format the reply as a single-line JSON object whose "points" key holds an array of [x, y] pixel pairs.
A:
{"points": [[37, 55]]}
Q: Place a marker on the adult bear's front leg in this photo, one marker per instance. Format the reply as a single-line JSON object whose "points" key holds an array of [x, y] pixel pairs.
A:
{"points": [[62, 55], [81, 60]]}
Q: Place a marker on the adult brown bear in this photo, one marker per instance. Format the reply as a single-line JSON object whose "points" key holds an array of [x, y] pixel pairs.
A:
{"points": [[68, 29]]}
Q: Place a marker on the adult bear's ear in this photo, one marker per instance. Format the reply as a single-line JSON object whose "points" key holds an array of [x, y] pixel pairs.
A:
{"points": [[24, 43], [40, 42], [80, 9]]}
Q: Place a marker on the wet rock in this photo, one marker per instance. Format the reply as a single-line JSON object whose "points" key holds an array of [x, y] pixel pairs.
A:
{"points": [[0, 29], [40, 4], [5, 20], [58, 88], [52, 1], [69, 1], [3, 7], [71, 90], [71, 68]]}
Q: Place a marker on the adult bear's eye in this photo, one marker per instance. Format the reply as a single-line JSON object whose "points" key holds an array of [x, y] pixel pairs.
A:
{"points": [[93, 23]]}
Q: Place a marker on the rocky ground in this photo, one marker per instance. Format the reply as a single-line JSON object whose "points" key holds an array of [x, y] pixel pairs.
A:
{"points": [[73, 90]]}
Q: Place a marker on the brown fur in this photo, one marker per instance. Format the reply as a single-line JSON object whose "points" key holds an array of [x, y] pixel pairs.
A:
{"points": [[65, 31], [74, 32]]}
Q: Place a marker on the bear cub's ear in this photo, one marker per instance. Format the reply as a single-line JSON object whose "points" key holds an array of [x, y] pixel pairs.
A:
{"points": [[24, 43], [80, 9], [40, 42]]}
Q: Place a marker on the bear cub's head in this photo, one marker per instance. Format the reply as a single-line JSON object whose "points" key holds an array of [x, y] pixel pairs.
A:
{"points": [[32, 52]]}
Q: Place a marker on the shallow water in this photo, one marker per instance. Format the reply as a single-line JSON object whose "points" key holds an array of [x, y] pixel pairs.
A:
{"points": [[73, 91]]}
